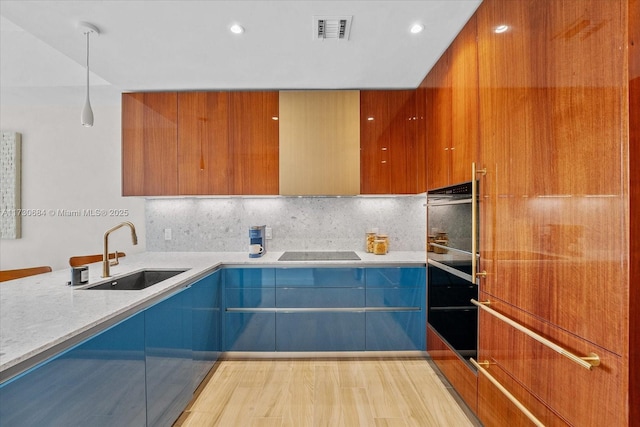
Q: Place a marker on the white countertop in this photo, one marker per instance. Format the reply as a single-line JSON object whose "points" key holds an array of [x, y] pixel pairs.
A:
{"points": [[40, 313]]}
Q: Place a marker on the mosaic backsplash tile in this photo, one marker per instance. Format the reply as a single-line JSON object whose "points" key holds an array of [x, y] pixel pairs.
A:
{"points": [[298, 223]]}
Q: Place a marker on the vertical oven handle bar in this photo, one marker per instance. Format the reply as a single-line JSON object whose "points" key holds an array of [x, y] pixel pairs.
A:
{"points": [[474, 223]]}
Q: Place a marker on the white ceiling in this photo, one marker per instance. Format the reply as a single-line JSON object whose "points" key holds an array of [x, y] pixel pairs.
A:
{"points": [[187, 45]]}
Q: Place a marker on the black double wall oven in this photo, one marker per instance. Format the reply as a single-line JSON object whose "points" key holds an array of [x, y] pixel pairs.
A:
{"points": [[451, 259]]}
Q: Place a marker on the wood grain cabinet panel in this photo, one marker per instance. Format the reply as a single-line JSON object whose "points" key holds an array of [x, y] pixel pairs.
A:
{"points": [[464, 103], [203, 143], [496, 410], [391, 159], [458, 373], [634, 241], [452, 111], [149, 144], [438, 122], [546, 121], [253, 142], [374, 138], [581, 397]]}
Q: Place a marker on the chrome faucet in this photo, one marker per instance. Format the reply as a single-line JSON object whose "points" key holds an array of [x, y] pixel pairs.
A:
{"points": [[105, 255]]}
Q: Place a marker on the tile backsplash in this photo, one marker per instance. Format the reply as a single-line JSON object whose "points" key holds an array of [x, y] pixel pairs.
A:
{"points": [[298, 223]]}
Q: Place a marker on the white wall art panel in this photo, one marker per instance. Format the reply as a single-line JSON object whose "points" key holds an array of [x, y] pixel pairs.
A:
{"points": [[10, 214]]}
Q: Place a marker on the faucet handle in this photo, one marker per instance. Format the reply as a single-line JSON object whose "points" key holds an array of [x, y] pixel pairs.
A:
{"points": [[115, 261]]}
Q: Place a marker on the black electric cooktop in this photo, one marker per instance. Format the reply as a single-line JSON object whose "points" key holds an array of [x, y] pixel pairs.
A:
{"points": [[319, 256]]}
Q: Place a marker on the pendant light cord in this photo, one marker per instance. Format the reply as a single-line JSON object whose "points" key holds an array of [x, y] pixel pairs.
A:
{"points": [[87, 34]]}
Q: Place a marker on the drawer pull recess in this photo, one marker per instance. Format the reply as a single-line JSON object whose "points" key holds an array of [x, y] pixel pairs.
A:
{"points": [[506, 392], [587, 362]]}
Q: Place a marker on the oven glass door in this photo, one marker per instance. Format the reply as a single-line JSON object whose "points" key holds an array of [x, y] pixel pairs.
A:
{"points": [[450, 262], [450, 233], [450, 311]]}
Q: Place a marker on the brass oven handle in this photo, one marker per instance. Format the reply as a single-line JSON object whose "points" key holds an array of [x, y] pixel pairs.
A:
{"points": [[506, 392], [474, 223], [587, 362]]}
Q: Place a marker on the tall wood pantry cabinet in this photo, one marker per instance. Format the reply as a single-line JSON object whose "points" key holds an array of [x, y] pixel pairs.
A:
{"points": [[554, 130]]}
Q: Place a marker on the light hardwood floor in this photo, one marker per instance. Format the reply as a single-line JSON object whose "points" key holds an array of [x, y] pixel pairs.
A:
{"points": [[324, 392]]}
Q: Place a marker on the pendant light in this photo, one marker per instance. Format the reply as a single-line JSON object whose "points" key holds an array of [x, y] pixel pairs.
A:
{"points": [[87, 113]]}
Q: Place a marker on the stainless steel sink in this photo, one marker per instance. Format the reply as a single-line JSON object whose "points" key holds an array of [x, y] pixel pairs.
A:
{"points": [[136, 281]]}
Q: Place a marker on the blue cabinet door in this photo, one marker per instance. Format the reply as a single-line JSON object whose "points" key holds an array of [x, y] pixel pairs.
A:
{"points": [[317, 327], [207, 319], [247, 293], [397, 301], [320, 277], [249, 331], [395, 330], [100, 382], [320, 331], [168, 358]]}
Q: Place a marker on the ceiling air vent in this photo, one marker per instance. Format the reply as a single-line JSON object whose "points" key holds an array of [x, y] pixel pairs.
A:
{"points": [[331, 27]]}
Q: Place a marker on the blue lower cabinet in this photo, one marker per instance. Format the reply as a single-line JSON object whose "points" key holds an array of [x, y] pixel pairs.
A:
{"points": [[246, 331], [320, 331], [100, 382], [321, 277], [246, 289], [320, 297], [395, 330], [396, 277], [207, 320], [249, 277], [395, 297], [400, 293], [169, 358]]}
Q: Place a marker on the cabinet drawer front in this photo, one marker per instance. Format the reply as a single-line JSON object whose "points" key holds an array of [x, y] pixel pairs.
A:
{"points": [[249, 277], [405, 297], [249, 331], [319, 297], [323, 277], [556, 380], [250, 298], [320, 331], [495, 409], [399, 330], [396, 277]]}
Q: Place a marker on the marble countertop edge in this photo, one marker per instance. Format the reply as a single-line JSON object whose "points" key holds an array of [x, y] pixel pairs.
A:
{"points": [[39, 314]]}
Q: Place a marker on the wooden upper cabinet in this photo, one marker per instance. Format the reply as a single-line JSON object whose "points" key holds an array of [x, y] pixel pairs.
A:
{"points": [[391, 157], [452, 111], [464, 103], [319, 142], [149, 144], [253, 142], [437, 87], [203, 143]]}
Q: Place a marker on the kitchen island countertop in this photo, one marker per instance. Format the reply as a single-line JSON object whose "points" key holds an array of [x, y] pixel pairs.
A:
{"points": [[41, 315]]}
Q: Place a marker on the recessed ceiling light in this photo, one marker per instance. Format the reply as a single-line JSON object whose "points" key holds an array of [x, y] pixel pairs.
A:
{"points": [[416, 28], [236, 29], [500, 29]]}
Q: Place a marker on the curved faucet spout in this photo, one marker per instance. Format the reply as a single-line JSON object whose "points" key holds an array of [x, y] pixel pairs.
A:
{"points": [[105, 254]]}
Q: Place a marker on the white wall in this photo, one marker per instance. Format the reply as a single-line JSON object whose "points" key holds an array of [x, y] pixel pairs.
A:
{"points": [[68, 167]]}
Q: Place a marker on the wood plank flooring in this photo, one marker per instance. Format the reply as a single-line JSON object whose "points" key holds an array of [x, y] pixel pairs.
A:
{"points": [[324, 392]]}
